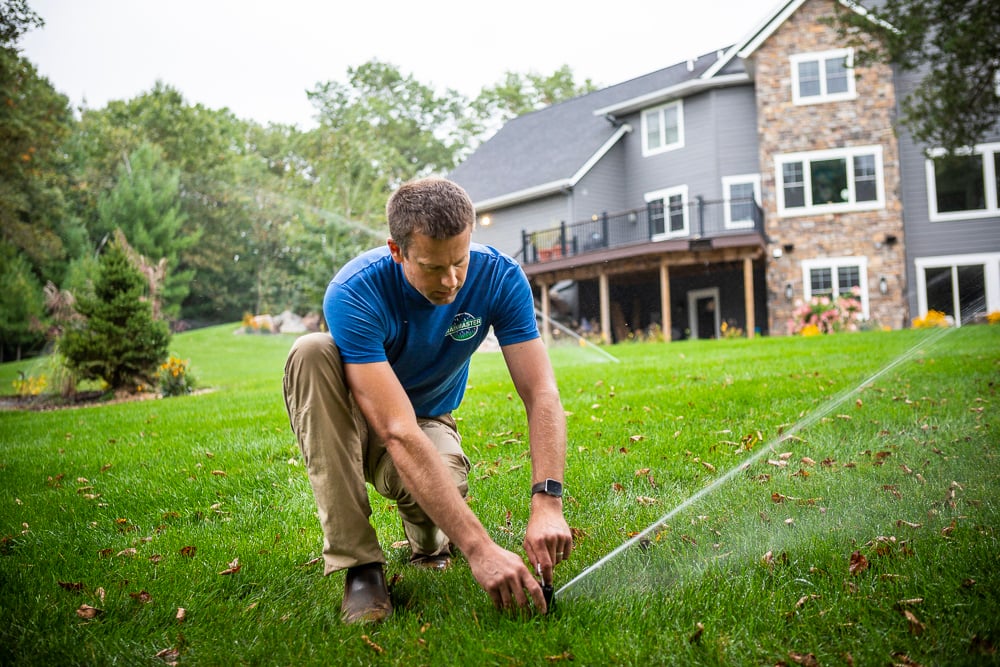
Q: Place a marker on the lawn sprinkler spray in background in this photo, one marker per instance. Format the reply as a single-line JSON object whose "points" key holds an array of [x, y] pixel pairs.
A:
{"points": [[689, 538]]}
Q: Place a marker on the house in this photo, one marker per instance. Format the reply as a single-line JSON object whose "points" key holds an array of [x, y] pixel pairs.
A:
{"points": [[722, 191]]}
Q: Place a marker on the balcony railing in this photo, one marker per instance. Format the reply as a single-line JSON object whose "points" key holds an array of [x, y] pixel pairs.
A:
{"points": [[656, 221]]}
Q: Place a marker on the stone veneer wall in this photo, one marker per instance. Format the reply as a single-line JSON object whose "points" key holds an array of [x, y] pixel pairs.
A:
{"points": [[786, 128]]}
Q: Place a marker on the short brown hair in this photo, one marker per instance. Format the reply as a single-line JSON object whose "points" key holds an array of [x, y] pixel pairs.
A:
{"points": [[435, 207]]}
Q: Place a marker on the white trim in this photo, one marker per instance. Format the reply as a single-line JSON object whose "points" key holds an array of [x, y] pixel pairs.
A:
{"points": [[991, 268], [849, 153], [693, 296], [552, 187], [822, 57], [658, 112], [665, 194], [727, 181], [992, 209], [679, 91], [836, 263]]}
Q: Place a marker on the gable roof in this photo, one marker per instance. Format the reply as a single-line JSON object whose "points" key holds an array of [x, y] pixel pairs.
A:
{"points": [[551, 149]]}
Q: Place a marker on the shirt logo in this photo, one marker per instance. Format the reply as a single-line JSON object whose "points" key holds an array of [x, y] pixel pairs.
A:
{"points": [[464, 327]]}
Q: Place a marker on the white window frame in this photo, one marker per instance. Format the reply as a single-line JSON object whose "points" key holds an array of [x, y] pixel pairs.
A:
{"points": [[741, 179], [835, 263], [821, 57], [657, 114], [991, 265], [665, 194], [693, 297], [806, 158], [986, 153]]}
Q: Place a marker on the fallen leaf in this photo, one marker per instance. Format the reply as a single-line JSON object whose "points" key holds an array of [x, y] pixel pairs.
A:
{"points": [[169, 655], [375, 647], [807, 659], [708, 466], [806, 461], [181, 615], [88, 612], [617, 488], [188, 551], [233, 568], [778, 464], [127, 552], [901, 522], [314, 561], [804, 599], [858, 563], [219, 473], [565, 655], [904, 660], [646, 500], [71, 586], [916, 627], [641, 471], [696, 637], [141, 596]]}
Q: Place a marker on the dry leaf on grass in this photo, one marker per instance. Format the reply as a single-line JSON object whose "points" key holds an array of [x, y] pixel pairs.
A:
{"points": [[916, 627], [807, 659], [71, 586], [565, 655], [169, 655], [87, 612], [233, 568], [858, 563], [375, 647], [696, 637]]}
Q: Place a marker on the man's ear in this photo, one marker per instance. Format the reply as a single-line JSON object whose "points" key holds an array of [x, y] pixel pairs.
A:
{"points": [[394, 250]]}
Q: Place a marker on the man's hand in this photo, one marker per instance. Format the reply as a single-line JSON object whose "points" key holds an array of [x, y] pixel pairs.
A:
{"points": [[504, 576], [548, 540]]}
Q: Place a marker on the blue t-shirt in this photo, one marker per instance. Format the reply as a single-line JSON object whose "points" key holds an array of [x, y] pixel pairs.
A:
{"points": [[374, 315]]}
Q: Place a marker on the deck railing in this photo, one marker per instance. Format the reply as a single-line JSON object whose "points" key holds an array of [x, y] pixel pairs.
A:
{"points": [[656, 221]]}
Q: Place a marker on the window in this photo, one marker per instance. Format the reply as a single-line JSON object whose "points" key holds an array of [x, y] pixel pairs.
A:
{"points": [[846, 179], [963, 287], [742, 195], [965, 185], [837, 276], [668, 213], [663, 128], [823, 77]]}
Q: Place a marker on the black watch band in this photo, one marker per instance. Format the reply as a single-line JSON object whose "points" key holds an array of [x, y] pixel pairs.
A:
{"points": [[549, 487]]}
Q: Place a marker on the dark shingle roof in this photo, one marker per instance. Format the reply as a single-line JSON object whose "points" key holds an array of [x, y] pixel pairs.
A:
{"points": [[551, 145]]}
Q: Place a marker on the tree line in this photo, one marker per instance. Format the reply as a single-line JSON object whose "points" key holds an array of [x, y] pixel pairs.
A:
{"points": [[229, 216]]}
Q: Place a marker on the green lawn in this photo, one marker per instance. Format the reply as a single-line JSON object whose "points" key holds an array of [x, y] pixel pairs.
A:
{"points": [[831, 500]]}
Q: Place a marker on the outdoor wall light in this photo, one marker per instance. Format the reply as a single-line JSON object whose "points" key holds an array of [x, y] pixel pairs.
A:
{"points": [[633, 218], [789, 292], [883, 285], [486, 221]]}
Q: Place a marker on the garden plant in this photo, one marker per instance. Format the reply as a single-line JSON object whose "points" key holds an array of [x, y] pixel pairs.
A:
{"points": [[852, 516]]}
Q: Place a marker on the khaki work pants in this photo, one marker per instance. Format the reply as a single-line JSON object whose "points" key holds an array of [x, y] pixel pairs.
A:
{"points": [[342, 454]]}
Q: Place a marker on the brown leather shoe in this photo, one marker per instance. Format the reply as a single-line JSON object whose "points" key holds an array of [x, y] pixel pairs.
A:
{"points": [[366, 598]]}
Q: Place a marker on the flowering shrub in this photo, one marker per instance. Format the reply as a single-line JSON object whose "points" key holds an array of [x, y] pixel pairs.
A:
{"points": [[175, 380], [993, 318], [933, 318], [30, 385], [823, 314], [730, 330]]}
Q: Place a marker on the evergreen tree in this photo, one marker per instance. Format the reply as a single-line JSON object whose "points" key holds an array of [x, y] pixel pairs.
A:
{"points": [[118, 340]]}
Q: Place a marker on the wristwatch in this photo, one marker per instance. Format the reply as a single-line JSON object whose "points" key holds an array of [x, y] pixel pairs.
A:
{"points": [[549, 487]]}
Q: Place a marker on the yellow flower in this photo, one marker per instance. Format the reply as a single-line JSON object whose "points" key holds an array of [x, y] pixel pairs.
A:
{"points": [[810, 330]]}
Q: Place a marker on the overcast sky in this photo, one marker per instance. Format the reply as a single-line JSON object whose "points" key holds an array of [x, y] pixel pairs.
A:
{"points": [[258, 58]]}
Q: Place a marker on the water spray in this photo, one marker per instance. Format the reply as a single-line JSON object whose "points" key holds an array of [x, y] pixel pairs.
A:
{"points": [[582, 341], [807, 421]]}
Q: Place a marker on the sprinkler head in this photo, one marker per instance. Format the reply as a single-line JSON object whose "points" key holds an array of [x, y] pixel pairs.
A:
{"points": [[549, 593]]}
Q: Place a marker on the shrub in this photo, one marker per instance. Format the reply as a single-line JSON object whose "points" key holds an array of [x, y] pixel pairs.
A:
{"points": [[933, 318], [117, 340], [823, 314], [175, 378]]}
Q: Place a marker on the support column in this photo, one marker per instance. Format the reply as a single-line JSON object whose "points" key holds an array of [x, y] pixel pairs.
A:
{"points": [[665, 319], [602, 281], [748, 302], [546, 323]]}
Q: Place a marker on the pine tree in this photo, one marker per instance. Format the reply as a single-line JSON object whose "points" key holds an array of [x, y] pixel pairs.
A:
{"points": [[118, 340]]}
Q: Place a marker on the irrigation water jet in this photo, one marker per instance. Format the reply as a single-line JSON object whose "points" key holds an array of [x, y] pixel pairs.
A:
{"points": [[803, 423], [580, 339]]}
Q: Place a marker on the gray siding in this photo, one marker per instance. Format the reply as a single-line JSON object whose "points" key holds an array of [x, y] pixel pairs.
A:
{"points": [[720, 139], [934, 239], [504, 231], [602, 190]]}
